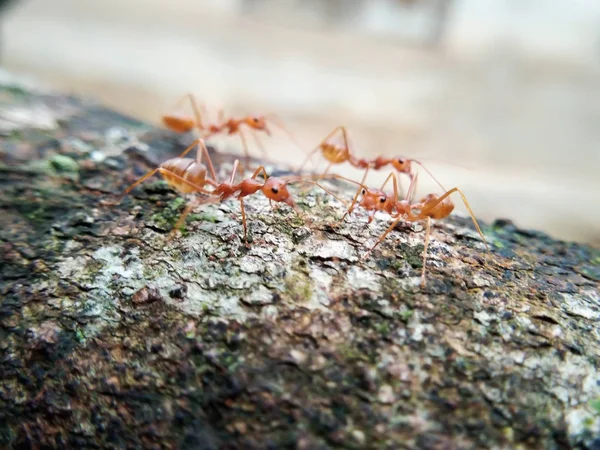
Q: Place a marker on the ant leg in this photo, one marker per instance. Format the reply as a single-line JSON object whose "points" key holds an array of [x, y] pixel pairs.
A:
{"points": [[383, 236], [244, 221], [279, 124], [191, 147], [196, 111], [161, 170], [429, 173], [188, 209], [320, 186], [387, 180], [425, 248], [412, 188], [259, 144], [351, 208], [190, 97], [466, 203], [245, 145], [258, 170], [324, 174], [309, 156], [324, 141], [202, 150], [132, 187], [358, 191], [236, 164]]}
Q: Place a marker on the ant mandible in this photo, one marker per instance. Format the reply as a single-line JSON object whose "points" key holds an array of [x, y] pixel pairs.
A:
{"points": [[432, 206], [183, 123]]}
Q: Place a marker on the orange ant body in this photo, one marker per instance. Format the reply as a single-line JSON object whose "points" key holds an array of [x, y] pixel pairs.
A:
{"points": [[336, 149], [189, 176], [429, 207], [182, 123], [185, 175]]}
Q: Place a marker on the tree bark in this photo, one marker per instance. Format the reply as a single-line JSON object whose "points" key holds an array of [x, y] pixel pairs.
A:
{"points": [[112, 336]]}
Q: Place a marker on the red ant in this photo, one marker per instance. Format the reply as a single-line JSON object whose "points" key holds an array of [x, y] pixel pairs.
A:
{"points": [[182, 123], [189, 176], [336, 149], [429, 207]]}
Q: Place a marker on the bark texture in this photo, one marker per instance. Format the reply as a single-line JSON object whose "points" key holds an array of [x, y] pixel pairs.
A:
{"points": [[113, 337]]}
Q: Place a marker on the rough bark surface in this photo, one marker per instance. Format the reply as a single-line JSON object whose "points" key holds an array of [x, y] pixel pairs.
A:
{"points": [[113, 337]]}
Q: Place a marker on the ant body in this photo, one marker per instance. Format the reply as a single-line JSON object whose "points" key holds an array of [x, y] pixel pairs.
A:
{"points": [[336, 149], [430, 207], [183, 123]]}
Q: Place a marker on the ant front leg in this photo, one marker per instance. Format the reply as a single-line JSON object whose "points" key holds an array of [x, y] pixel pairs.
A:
{"points": [[382, 237], [349, 211], [258, 170]]}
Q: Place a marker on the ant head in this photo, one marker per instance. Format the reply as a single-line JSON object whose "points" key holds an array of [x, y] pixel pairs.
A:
{"points": [[376, 200], [276, 189], [401, 164], [257, 123]]}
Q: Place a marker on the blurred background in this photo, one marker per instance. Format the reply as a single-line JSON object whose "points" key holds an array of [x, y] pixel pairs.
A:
{"points": [[498, 97]]}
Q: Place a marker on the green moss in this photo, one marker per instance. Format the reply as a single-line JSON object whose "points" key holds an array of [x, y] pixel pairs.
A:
{"points": [[79, 336], [204, 217], [167, 217], [349, 352], [298, 288], [412, 254], [63, 164], [383, 328], [405, 315], [595, 405]]}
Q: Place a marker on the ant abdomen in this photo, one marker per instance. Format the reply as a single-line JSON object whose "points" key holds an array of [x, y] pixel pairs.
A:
{"points": [[184, 174], [179, 123]]}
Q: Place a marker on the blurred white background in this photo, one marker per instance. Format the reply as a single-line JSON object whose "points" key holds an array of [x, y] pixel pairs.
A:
{"points": [[499, 97]]}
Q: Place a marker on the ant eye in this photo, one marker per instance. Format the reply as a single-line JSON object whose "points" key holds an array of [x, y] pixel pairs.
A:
{"points": [[255, 119], [363, 192], [382, 199], [274, 190], [400, 160]]}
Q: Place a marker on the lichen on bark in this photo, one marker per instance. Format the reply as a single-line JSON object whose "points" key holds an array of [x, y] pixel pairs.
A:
{"points": [[114, 337]]}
